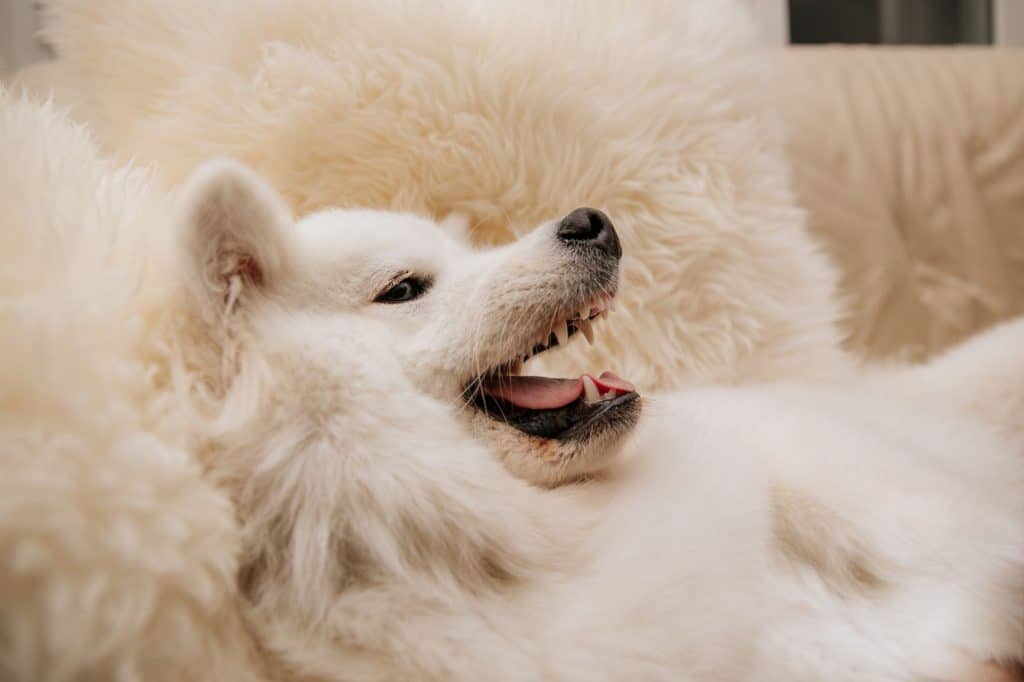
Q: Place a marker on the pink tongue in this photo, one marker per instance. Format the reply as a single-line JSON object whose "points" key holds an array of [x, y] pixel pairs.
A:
{"points": [[609, 380], [542, 393]]}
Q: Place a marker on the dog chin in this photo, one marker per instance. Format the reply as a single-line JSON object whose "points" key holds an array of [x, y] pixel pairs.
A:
{"points": [[552, 430], [550, 462]]}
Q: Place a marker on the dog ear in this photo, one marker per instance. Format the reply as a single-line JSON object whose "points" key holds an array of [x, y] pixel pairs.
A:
{"points": [[236, 231]]}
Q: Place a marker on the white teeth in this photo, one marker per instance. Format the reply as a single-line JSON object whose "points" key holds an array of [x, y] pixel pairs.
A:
{"points": [[590, 392], [562, 333], [587, 331], [609, 395], [589, 315]]}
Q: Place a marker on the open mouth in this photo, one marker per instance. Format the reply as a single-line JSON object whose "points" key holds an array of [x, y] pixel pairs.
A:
{"points": [[550, 407]]}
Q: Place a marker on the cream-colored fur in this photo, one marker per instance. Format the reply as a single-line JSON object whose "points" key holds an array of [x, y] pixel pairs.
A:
{"points": [[117, 560], [164, 355], [510, 113], [783, 532]]}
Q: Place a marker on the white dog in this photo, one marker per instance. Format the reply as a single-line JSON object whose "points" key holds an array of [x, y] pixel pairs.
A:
{"points": [[413, 507]]}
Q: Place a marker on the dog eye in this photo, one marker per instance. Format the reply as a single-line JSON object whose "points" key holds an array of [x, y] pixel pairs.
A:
{"points": [[407, 289]]}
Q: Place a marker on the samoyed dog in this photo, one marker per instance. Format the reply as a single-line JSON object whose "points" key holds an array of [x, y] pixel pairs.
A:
{"points": [[413, 505]]}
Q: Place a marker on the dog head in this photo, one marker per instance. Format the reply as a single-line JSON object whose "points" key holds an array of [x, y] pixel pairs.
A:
{"points": [[341, 360], [460, 324]]}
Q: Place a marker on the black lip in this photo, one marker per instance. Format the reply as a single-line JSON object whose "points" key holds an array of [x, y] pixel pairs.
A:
{"points": [[561, 423]]}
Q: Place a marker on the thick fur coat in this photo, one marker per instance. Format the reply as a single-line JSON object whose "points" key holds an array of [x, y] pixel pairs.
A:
{"points": [[510, 113], [224, 458], [221, 461], [115, 556]]}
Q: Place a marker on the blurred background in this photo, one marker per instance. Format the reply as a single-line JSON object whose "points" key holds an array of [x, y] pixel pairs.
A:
{"points": [[893, 22], [19, 45]]}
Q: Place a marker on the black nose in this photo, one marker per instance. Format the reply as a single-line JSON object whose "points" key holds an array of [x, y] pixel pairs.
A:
{"points": [[588, 226]]}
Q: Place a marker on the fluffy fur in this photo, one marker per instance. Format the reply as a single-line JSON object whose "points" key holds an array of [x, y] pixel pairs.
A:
{"points": [[509, 113], [842, 533], [221, 461], [115, 556], [149, 339]]}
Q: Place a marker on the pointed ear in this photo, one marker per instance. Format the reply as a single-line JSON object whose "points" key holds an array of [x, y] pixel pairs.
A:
{"points": [[236, 233]]}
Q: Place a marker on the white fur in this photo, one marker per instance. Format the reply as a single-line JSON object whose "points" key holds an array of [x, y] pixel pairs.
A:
{"points": [[779, 532], [509, 113], [116, 557], [782, 532]]}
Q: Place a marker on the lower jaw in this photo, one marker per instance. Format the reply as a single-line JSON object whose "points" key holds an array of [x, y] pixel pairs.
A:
{"points": [[562, 423]]}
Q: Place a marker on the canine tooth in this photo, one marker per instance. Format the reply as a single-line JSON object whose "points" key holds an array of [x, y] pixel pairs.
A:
{"points": [[587, 331], [609, 395], [562, 333], [584, 312], [590, 392]]}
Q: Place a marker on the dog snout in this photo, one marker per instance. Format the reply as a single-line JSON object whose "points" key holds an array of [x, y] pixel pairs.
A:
{"points": [[591, 228]]}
